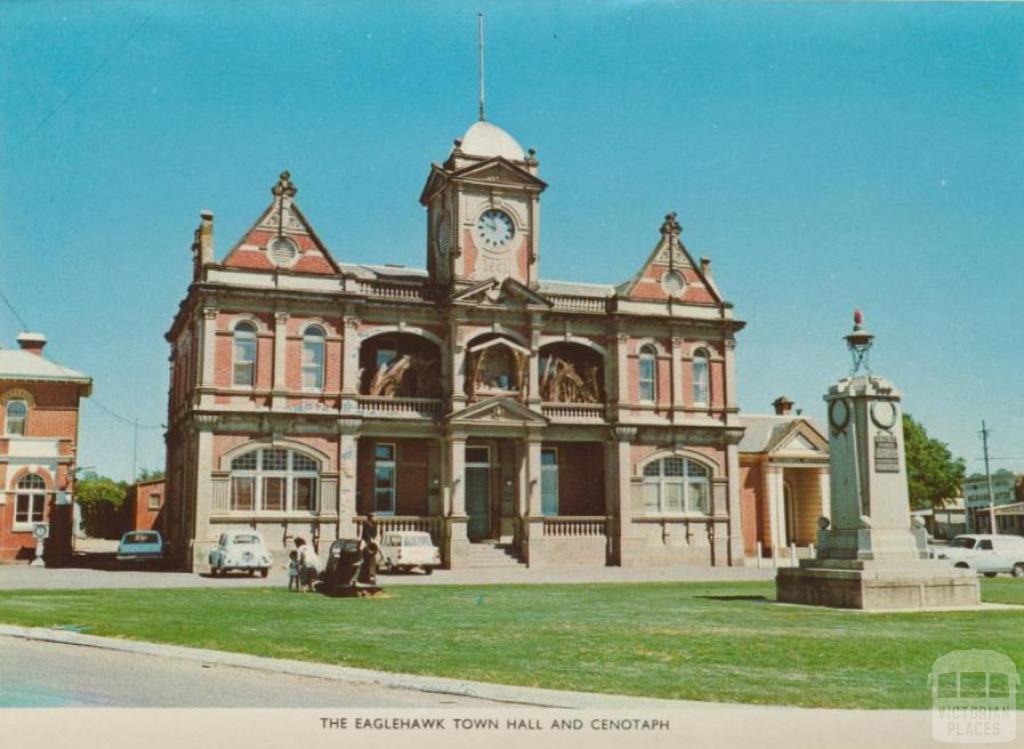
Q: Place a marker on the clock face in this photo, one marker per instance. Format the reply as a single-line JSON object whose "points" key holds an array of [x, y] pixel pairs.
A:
{"points": [[444, 236], [495, 229]]}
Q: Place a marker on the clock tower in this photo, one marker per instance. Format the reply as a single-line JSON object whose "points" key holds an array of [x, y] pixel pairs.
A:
{"points": [[483, 210]]}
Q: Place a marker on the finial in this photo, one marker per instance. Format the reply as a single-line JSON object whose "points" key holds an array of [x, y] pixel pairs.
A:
{"points": [[671, 226], [859, 342], [284, 186]]}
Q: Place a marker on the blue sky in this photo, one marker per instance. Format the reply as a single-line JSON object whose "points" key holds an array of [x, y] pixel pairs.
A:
{"points": [[824, 156]]}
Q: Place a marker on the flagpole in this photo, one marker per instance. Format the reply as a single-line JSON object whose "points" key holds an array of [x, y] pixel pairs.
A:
{"points": [[480, 38]]}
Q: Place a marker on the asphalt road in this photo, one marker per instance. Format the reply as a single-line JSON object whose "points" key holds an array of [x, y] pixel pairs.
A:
{"points": [[38, 674]]}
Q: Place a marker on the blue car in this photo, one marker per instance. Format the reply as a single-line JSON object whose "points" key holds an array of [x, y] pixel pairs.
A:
{"points": [[140, 546]]}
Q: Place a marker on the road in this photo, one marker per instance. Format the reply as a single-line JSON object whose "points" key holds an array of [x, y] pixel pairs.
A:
{"points": [[38, 674]]}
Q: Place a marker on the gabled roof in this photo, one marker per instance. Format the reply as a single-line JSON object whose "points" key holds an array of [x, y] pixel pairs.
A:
{"points": [[670, 254], [23, 366], [496, 169], [282, 218], [498, 411], [766, 434]]}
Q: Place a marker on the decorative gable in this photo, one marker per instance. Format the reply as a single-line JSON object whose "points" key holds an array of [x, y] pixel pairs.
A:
{"points": [[282, 239], [509, 292], [670, 272], [801, 440], [500, 411]]}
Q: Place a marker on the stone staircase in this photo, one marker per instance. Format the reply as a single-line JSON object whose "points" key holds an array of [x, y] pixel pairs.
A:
{"points": [[493, 554]]}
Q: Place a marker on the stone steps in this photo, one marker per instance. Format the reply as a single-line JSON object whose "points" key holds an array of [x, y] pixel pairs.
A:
{"points": [[490, 554]]}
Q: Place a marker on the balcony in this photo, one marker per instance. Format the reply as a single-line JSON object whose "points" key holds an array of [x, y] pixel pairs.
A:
{"points": [[574, 413], [393, 407], [564, 303]]}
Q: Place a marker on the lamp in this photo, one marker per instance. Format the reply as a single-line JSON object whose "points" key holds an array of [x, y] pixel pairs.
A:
{"points": [[859, 342]]}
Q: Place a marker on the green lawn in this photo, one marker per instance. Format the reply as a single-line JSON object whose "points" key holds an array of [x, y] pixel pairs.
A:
{"points": [[698, 641]]}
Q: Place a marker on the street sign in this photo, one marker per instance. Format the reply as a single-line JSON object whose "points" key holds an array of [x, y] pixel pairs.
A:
{"points": [[41, 531]]}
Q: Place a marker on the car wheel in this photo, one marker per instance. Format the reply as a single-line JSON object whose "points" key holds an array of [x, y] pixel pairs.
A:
{"points": [[388, 568], [252, 572], [990, 574], [428, 570], [962, 566], [264, 572], [1018, 569]]}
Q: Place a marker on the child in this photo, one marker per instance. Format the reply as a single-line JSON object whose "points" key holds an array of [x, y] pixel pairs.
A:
{"points": [[293, 571], [309, 565]]}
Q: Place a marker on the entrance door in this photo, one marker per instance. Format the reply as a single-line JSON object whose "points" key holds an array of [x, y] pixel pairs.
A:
{"points": [[790, 510], [478, 492], [549, 481]]}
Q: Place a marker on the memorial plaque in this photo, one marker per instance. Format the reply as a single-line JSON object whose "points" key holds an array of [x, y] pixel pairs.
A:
{"points": [[887, 454]]}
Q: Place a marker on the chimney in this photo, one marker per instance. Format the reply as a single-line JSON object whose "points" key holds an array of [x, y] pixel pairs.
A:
{"points": [[32, 342], [705, 266], [205, 237], [783, 406]]}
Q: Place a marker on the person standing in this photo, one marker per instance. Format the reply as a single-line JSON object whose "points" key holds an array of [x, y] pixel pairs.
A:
{"points": [[368, 541], [309, 564]]}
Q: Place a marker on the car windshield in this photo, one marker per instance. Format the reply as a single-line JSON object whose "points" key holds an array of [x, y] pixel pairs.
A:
{"points": [[962, 542], [246, 539], [141, 538]]}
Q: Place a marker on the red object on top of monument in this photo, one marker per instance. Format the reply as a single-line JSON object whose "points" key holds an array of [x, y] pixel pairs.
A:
{"points": [[858, 317]]}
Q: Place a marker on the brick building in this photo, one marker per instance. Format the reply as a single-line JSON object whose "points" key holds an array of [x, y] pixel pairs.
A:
{"points": [[566, 422], [144, 506], [39, 402]]}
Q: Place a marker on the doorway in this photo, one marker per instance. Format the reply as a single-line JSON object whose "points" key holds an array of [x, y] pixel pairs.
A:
{"points": [[478, 492]]}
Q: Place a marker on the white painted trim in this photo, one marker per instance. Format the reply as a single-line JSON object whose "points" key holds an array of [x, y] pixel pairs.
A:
{"points": [[410, 329], [547, 340], [496, 342], [299, 447], [704, 460]]}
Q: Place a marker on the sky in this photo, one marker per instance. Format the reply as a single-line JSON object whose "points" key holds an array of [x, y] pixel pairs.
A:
{"points": [[824, 156]]}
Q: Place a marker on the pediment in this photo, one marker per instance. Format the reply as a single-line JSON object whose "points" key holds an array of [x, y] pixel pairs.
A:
{"points": [[509, 292], [498, 170], [801, 439], [498, 410]]}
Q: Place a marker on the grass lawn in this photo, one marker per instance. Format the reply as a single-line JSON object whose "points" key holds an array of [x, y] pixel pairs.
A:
{"points": [[697, 641]]}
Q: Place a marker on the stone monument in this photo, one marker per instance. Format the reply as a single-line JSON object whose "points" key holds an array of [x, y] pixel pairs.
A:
{"points": [[869, 556]]}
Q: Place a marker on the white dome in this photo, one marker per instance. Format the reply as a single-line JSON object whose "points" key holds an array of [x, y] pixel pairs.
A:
{"points": [[485, 139]]}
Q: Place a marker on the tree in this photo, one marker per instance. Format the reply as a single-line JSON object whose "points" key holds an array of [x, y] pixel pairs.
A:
{"points": [[934, 476], [150, 474], [101, 499]]}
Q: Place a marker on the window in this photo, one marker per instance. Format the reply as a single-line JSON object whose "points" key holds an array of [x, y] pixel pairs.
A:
{"points": [[273, 479], [244, 370], [30, 501], [154, 501], [700, 378], [313, 358], [648, 374], [384, 479], [676, 486], [385, 356], [17, 414], [548, 481]]}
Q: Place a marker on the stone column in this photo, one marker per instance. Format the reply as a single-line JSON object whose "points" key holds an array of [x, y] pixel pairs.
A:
{"points": [[350, 356], [203, 536], [676, 372], [457, 355], [533, 398], [456, 538], [208, 349], [734, 505], [533, 522], [348, 469], [622, 371], [626, 541], [776, 509], [824, 490], [280, 384]]}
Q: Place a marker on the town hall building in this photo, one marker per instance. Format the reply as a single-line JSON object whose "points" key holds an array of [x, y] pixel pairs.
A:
{"points": [[508, 415]]}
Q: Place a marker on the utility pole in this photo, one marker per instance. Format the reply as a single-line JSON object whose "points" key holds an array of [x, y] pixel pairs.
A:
{"points": [[988, 477], [135, 449]]}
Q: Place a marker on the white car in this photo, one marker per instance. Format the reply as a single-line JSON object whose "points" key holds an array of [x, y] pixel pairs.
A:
{"points": [[240, 550], [986, 553], [403, 550]]}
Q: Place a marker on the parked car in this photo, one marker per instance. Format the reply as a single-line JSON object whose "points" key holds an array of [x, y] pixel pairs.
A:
{"points": [[404, 550], [987, 553], [240, 550], [141, 546], [345, 573]]}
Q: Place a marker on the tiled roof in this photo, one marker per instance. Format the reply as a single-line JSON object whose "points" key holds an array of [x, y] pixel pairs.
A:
{"points": [[765, 431], [22, 365]]}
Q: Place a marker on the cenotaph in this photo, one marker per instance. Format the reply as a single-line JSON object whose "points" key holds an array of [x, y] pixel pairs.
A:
{"points": [[869, 556]]}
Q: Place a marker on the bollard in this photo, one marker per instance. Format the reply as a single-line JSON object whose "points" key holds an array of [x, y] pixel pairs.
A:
{"points": [[760, 552], [792, 555]]}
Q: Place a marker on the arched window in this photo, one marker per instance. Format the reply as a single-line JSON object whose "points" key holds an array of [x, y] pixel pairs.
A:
{"points": [[272, 479], [244, 365], [313, 358], [676, 486], [17, 414], [648, 375], [30, 501], [701, 378]]}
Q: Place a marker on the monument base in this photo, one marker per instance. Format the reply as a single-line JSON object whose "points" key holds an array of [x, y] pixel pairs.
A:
{"points": [[877, 585]]}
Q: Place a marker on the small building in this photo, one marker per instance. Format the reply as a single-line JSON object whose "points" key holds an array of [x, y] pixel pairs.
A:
{"points": [[144, 506], [976, 498], [945, 522], [784, 478], [39, 401]]}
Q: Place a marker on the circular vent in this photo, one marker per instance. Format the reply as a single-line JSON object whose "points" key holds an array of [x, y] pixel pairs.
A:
{"points": [[673, 283], [283, 251]]}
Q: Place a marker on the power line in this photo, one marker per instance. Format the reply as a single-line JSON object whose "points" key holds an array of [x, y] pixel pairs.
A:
{"points": [[13, 311], [132, 422]]}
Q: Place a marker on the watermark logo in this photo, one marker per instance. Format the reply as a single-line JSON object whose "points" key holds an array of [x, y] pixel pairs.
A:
{"points": [[974, 697]]}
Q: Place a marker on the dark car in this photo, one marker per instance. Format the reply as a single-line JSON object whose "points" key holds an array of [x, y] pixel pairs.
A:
{"points": [[345, 573]]}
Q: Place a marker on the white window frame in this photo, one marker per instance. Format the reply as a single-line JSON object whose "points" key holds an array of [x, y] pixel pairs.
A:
{"points": [[647, 354], [154, 501], [290, 474], [313, 342], [701, 390], [29, 494], [8, 420], [393, 465], [661, 483], [244, 335]]}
